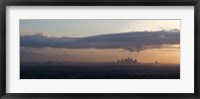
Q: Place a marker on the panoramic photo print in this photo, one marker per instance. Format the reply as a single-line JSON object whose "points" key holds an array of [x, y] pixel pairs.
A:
{"points": [[99, 49]]}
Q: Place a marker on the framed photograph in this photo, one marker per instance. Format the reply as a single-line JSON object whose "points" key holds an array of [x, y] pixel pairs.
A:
{"points": [[139, 49]]}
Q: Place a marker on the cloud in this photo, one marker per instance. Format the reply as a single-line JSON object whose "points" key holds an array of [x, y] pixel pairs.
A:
{"points": [[131, 41], [27, 32]]}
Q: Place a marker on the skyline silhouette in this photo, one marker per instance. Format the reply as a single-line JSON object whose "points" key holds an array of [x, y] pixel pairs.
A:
{"points": [[99, 49], [41, 47]]}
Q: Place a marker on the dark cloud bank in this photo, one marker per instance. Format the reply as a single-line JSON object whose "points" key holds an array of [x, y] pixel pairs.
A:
{"points": [[131, 41]]}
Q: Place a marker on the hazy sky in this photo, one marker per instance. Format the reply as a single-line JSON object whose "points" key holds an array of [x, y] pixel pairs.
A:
{"points": [[82, 28], [99, 40]]}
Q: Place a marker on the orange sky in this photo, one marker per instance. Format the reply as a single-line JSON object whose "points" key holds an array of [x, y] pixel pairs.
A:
{"points": [[169, 54], [75, 28]]}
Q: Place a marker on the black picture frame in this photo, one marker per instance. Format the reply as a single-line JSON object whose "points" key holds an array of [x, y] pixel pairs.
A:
{"points": [[4, 3]]}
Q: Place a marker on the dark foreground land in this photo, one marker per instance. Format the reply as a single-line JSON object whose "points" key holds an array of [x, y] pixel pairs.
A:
{"points": [[99, 71]]}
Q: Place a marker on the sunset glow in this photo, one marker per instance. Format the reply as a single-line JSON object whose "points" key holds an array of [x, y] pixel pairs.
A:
{"points": [[57, 29], [99, 49]]}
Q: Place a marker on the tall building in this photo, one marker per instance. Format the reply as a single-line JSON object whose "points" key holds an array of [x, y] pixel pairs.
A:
{"points": [[128, 61]]}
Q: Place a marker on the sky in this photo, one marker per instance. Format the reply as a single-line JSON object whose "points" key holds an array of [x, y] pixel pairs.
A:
{"points": [[100, 40], [89, 27]]}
